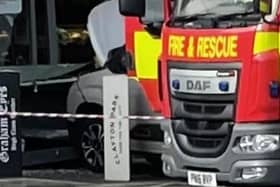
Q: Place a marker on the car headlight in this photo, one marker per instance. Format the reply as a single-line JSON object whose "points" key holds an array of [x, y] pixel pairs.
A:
{"points": [[258, 143]]}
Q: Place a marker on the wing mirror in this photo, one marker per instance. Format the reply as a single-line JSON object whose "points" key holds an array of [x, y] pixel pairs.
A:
{"points": [[132, 7]]}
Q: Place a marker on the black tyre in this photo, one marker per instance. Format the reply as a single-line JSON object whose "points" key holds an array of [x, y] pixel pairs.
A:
{"points": [[154, 160], [88, 138], [155, 163]]}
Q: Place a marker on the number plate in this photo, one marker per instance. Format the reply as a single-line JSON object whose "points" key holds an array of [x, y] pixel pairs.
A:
{"points": [[202, 179]]}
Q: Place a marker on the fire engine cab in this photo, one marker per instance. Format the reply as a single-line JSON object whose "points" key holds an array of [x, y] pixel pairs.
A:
{"points": [[219, 84]]}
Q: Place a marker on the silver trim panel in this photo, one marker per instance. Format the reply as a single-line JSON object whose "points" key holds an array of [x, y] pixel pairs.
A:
{"points": [[203, 81]]}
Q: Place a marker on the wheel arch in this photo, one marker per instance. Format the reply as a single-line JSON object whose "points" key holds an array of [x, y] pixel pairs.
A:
{"points": [[89, 108]]}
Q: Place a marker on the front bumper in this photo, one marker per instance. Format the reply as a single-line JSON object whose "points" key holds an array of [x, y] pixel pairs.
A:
{"points": [[228, 166]]}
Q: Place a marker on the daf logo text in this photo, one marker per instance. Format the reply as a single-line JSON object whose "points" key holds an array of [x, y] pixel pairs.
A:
{"points": [[198, 85]]}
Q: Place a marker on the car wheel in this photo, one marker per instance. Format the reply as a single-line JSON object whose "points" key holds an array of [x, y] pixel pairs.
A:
{"points": [[89, 141]]}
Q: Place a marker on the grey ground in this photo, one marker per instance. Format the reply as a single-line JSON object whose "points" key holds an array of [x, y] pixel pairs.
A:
{"points": [[72, 175]]}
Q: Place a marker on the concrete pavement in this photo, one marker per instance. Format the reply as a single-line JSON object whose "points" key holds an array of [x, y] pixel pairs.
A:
{"points": [[29, 182], [72, 175]]}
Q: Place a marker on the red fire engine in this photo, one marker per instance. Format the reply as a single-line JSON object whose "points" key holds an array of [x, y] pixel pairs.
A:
{"points": [[219, 83]]}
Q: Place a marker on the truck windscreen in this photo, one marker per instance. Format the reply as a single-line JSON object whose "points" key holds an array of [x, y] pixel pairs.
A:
{"points": [[186, 8]]}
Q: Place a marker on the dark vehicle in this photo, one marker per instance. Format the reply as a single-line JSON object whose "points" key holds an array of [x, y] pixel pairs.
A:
{"points": [[49, 46]]}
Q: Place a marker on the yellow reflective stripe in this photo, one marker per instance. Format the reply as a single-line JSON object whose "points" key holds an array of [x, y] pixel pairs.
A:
{"points": [[266, 41], [147, 51]]}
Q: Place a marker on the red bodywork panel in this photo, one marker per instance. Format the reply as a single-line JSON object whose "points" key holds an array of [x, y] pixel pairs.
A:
{"points": [[131, 26], [254, 103], [150, 86]]}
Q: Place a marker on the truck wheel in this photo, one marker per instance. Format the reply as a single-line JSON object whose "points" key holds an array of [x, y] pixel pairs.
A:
{"points": [[89, 141]]}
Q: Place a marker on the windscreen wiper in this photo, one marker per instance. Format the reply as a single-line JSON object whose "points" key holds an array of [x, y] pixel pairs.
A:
{"points": [[233, 15], [212, 16], [192, 17]]}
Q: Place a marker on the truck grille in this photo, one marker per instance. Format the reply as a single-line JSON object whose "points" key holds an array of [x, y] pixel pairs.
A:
{"points": [[206, 126], [205, 121], [202, 138]]}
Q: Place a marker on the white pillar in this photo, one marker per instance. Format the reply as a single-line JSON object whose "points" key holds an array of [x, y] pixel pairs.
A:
{"points": [[116, 129]]}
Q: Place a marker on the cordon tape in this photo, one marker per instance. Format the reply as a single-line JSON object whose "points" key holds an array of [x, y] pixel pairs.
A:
{"points": [[76, 116]]}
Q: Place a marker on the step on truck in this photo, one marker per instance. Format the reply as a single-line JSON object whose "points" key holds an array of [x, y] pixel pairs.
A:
{"points": [[219, 85]]}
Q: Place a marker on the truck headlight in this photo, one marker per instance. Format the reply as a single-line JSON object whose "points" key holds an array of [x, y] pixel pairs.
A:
{"points": [[259, 143]]}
